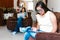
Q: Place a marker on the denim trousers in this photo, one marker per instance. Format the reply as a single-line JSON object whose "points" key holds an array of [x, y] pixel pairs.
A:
{"points": [[29, 33], [19, 24]]}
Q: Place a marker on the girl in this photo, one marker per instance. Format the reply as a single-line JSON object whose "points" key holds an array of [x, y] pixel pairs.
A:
{"points": [[20, 17]]}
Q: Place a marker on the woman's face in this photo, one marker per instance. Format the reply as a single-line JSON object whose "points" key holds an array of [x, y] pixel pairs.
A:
{"points": [[40, 10]]}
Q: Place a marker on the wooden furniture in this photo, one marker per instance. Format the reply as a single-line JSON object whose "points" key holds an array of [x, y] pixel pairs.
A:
{"points": [[1, 17], [6, 3]]}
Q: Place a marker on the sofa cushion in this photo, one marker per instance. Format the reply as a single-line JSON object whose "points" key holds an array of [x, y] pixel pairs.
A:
{"points": [[57, 15]]}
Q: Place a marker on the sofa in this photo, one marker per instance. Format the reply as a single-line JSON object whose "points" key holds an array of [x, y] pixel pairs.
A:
{"points": [[50, 36], [28, 20], [47, 36], [11, 22]]}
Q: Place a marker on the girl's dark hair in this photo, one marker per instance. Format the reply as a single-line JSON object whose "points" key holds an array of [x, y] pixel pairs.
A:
{"points": [[24, 9], [40, 3]]}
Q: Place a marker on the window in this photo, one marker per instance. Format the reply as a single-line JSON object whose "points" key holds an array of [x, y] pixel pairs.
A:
{"points": [[29, 4]]}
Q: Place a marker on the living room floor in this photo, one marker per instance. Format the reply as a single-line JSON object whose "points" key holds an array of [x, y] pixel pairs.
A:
{"points": [[5, 34]]}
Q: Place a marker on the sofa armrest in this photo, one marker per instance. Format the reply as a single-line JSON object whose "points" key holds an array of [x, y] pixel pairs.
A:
{"points": [[11, 23], [48, 36]]}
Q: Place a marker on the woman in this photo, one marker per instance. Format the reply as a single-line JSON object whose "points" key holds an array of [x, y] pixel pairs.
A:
{"points": [[20, 17], [46, 20]]}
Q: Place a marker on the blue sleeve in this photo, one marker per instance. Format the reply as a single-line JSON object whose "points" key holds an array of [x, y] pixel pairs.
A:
{"points": [[25, 14]]}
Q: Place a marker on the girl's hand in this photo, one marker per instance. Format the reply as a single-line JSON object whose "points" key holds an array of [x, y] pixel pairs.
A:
{"points": [[34, 29]]}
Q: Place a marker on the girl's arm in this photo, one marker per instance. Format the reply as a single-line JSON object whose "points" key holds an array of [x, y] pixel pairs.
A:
{"points": [[38, 26], [26, 15], [54, 22]]}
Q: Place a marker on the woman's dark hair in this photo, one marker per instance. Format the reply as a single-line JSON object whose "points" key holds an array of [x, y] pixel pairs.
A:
{"points": [[24, 9], [40, 3]]}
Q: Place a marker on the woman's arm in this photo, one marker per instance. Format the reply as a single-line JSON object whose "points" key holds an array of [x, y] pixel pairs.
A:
{"points": [[54, 22]]}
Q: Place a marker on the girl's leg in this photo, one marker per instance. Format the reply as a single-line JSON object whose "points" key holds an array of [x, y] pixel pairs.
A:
{"points": [[19, 24], [30, 38], [26, 36], [25, 29], [33, 34]]}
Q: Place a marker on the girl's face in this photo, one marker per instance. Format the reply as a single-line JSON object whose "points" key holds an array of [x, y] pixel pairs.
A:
{"points": [[22, 10], [40, 10]]}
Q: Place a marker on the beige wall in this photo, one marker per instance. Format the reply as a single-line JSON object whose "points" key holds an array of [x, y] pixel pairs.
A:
{"points": [[15, 4], [54, 5]]}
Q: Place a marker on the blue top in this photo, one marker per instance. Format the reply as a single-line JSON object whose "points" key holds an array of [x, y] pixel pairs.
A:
{"points": [[22, 15]]}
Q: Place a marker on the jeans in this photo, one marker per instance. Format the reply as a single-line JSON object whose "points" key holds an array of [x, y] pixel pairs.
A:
{"points": [[19, 24], [29, 33], [25, 29]]}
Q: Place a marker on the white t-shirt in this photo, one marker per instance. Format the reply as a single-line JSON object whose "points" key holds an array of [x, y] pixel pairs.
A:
{"points": [[45, 22]]}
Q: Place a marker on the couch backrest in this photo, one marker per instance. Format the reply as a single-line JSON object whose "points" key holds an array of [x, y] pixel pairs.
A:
{"points": [[58, 20]]}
